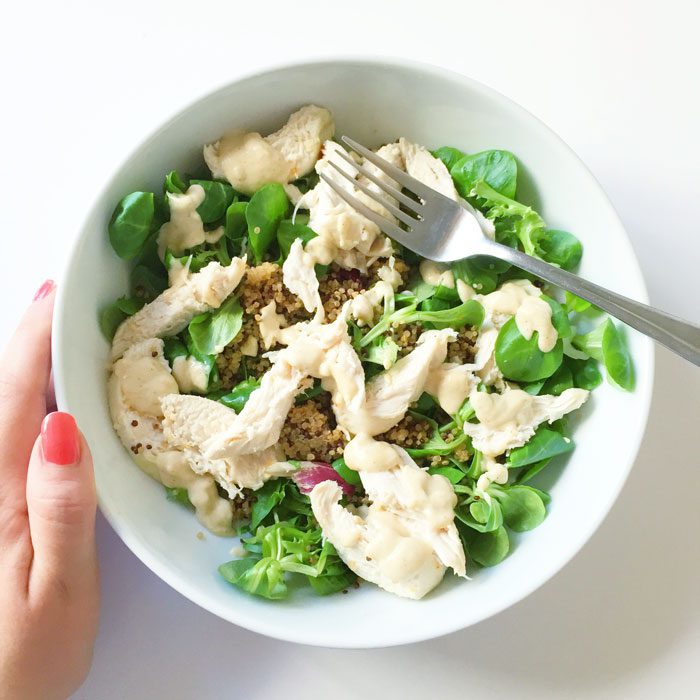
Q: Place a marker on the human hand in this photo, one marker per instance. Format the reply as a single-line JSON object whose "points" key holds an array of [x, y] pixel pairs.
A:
{"points": [[49, 596]]}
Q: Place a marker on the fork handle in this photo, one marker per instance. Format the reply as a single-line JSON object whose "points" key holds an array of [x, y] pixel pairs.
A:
{"points": [[677, 335]]}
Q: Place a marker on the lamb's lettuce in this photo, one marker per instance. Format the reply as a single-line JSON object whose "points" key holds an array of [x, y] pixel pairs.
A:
{"points": [[266, 209], [212, 331], [284, 539], [498, 169], [383, 351], [606, 343], [113, 315], [237, 398], [544, 444], [217, 198], [522, 506], [131, 224], [236, 225], [486, 548]]}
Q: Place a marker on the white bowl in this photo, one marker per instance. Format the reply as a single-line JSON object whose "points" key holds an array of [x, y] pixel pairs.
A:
{"points": [[374, 101]]}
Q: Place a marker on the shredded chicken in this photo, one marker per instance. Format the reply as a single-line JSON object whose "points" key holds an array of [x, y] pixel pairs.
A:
{"points": [[405, 539], [299, 276], [509, 420], [171, 311], [248, 161], [191, 421]]}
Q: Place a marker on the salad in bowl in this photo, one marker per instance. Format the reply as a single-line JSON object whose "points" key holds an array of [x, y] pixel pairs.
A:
{"points": [[352, 412]]}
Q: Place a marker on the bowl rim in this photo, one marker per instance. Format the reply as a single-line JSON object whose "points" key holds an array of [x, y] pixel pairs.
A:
{"points": [[449, 624]]}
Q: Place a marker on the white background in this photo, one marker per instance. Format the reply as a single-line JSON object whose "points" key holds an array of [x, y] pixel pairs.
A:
{"points": [[83, 83]]}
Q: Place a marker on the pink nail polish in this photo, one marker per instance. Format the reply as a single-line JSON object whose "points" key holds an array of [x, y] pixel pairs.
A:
{"points": [[60, 439], [44, 290]]}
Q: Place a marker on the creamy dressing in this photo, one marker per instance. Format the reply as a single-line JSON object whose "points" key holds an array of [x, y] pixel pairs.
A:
{"points": [[144, 382], [178, 273], [363, 453], [493, 472], [249, 347], [271, 329], [535, 315], [405, 538], [509, 420], [249, 161], [436, 274], [185, 229], [465, 291], [450, 384], [364, 306], [191, 375], [213, 511]]}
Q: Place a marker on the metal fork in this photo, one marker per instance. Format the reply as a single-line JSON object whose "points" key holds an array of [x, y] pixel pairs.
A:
{"points": [[444, 231]]}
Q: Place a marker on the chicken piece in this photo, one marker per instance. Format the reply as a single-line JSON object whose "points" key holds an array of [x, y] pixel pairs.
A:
{"points": [[509, 420], [344, 235], [431, 171], [341, 372], [213, 511], [248, 161], [389, 394], [300, 140], [138, 382], [259, 424], [405, 539], [450, 384], [485, 361], [191, 375], [366, 304], [172, 310], [299, 276], [191, 421], [185, 228]]}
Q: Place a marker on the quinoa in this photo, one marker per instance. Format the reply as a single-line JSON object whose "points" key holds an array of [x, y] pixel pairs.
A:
{"points": [[338, 286], [409, 432], [461, 350], [242, 505], [310, 432], [263, 284], [406, 336]]}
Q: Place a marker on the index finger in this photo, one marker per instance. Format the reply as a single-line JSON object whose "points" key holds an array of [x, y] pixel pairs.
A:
{"points": [[25, 368]]}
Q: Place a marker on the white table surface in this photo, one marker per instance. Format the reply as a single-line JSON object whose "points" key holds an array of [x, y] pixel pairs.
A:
{"points": [[82, 84]]}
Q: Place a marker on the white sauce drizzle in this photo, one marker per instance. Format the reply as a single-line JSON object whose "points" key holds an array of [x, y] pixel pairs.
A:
{"points": [[191, 375], [185, 228]]}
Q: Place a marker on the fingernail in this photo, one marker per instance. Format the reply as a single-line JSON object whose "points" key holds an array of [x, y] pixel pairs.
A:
{"points": [[44, 290], [59, 439]]}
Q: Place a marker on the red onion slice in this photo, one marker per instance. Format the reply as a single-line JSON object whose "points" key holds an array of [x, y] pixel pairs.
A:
{"points": [[311, 473]]}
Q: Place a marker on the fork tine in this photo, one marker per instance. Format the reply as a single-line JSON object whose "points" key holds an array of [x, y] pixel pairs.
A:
{"points": [[375, 196], [410, 183], [386, 187], [386, 226]]}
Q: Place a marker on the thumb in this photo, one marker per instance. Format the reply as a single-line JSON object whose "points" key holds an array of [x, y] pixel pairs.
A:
{"points": [[61, 504]]}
